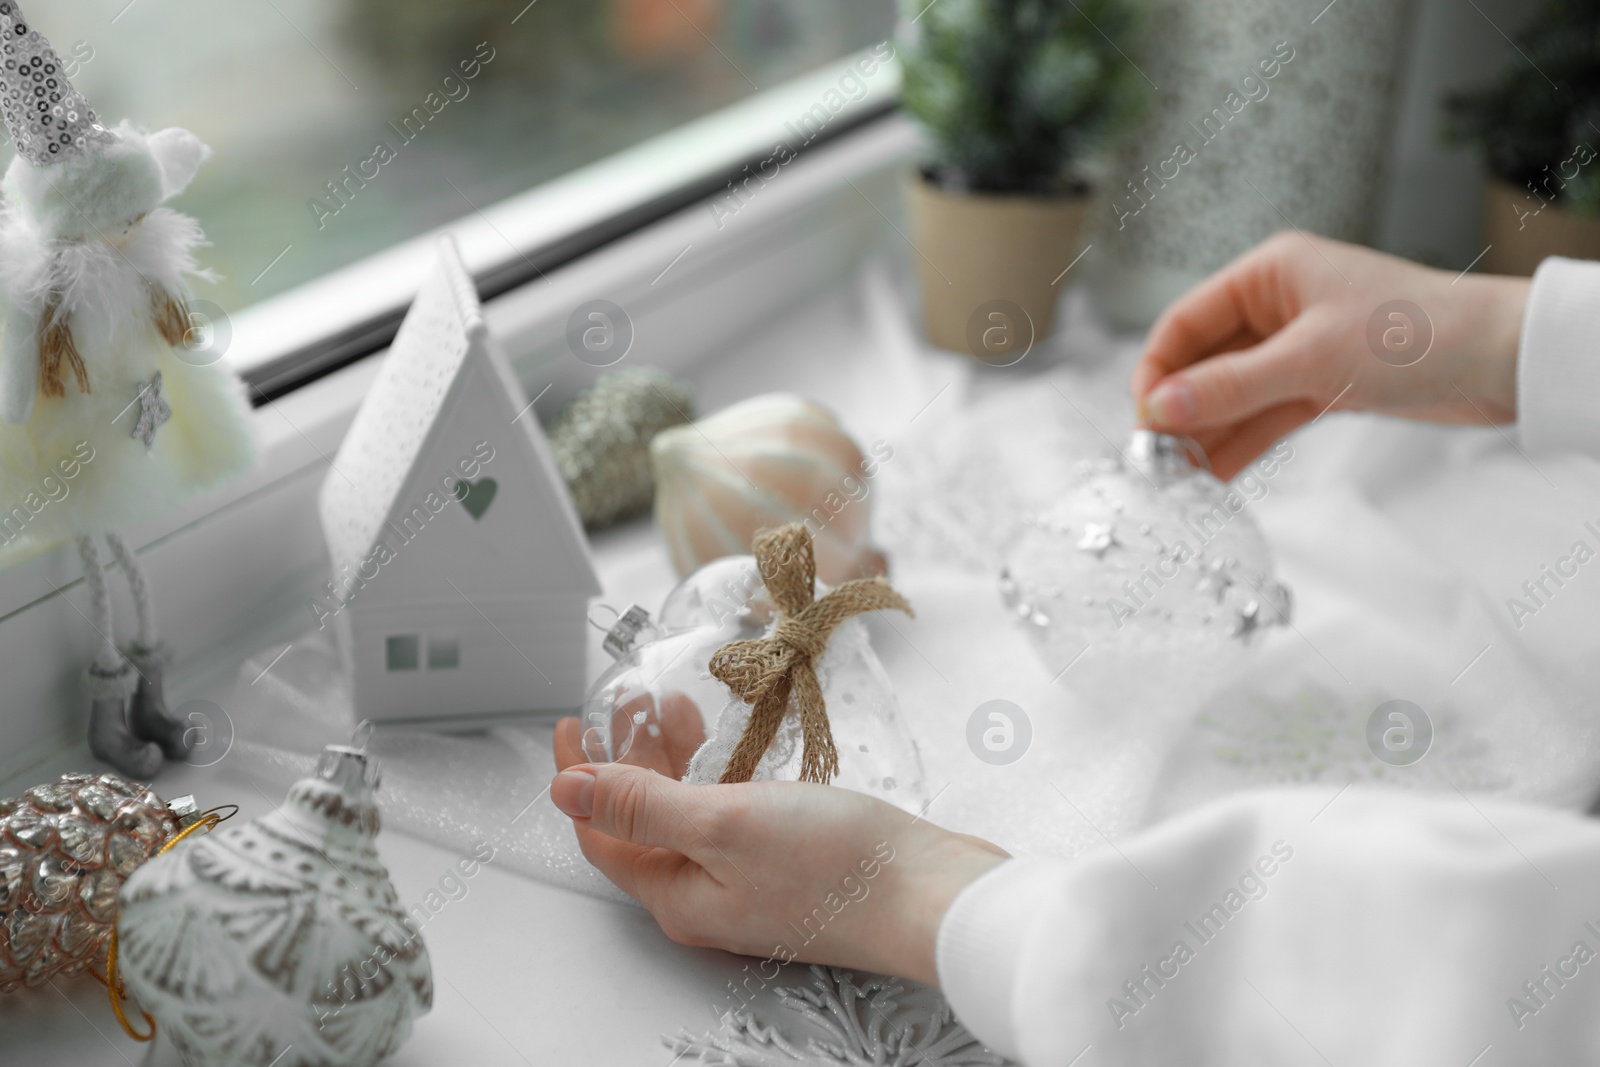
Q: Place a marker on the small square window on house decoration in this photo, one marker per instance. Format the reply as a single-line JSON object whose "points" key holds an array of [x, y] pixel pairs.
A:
{"points": [[444, 653], [402, 652]]}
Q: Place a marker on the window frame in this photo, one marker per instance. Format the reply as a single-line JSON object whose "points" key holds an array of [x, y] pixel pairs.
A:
{"points": [[522, 239]]}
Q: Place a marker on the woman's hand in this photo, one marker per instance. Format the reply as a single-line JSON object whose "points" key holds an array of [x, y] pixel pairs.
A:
{"points": [[783, 870], [1272, 340]]}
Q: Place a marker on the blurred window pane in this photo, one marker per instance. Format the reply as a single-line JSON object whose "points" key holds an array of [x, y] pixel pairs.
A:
{"points": [[344, 126]]}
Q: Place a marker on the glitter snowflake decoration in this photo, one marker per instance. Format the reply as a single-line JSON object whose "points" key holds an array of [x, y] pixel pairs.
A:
{"points": [[865, 1025]]}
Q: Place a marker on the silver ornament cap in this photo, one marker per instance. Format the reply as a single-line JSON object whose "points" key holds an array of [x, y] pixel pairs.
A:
{"points": [[1164, 458], [47, 118]]}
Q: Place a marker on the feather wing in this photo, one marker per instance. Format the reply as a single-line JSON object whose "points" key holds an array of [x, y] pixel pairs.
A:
{"points": [[19, 361]]}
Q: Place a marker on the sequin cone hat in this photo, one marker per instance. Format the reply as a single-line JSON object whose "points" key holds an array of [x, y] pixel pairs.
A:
{"points": [[47, 118]]}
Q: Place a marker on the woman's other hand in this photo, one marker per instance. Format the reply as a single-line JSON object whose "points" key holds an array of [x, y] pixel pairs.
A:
{"points": [[1301, 324]]}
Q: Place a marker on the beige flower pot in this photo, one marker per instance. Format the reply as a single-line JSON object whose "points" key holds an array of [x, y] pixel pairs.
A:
{"points": [[991, 266], [1521, 233]]}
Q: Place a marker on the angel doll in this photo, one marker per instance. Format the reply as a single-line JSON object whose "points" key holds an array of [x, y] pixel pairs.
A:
{"points": [[107, 416]]}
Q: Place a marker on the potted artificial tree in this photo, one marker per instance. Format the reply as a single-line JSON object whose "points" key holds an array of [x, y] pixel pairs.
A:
{"points": [[1543, 195], [1012, 94]]}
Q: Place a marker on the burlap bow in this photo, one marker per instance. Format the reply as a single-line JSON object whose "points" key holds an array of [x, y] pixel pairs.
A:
{"points": [[765, 672]]}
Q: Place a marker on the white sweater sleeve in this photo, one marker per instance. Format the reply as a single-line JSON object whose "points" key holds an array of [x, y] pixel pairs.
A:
{"points": [[1558, 363], [1373, 927]]}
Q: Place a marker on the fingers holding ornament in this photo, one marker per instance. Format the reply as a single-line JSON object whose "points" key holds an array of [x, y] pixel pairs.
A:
{"points": [[1232, 449]]}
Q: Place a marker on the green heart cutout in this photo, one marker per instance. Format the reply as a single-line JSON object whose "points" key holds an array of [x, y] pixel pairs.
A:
{"points": [[476, 496]]}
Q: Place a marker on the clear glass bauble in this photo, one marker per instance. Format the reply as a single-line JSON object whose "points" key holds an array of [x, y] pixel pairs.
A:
{"points": [[723, 591], [659, 706], [647, 708], [1149, 555]]}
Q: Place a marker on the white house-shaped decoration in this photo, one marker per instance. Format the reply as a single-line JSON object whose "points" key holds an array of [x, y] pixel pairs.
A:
{"points": [[463, 576]]}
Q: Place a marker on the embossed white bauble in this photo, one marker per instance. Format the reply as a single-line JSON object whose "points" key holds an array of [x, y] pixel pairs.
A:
{"points": [[757, 465], [1151, 554], [281, 941]]}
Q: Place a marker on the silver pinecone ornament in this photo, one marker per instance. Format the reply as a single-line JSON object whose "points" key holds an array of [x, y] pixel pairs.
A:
{"points": [[280, 941], [65, 849]]}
